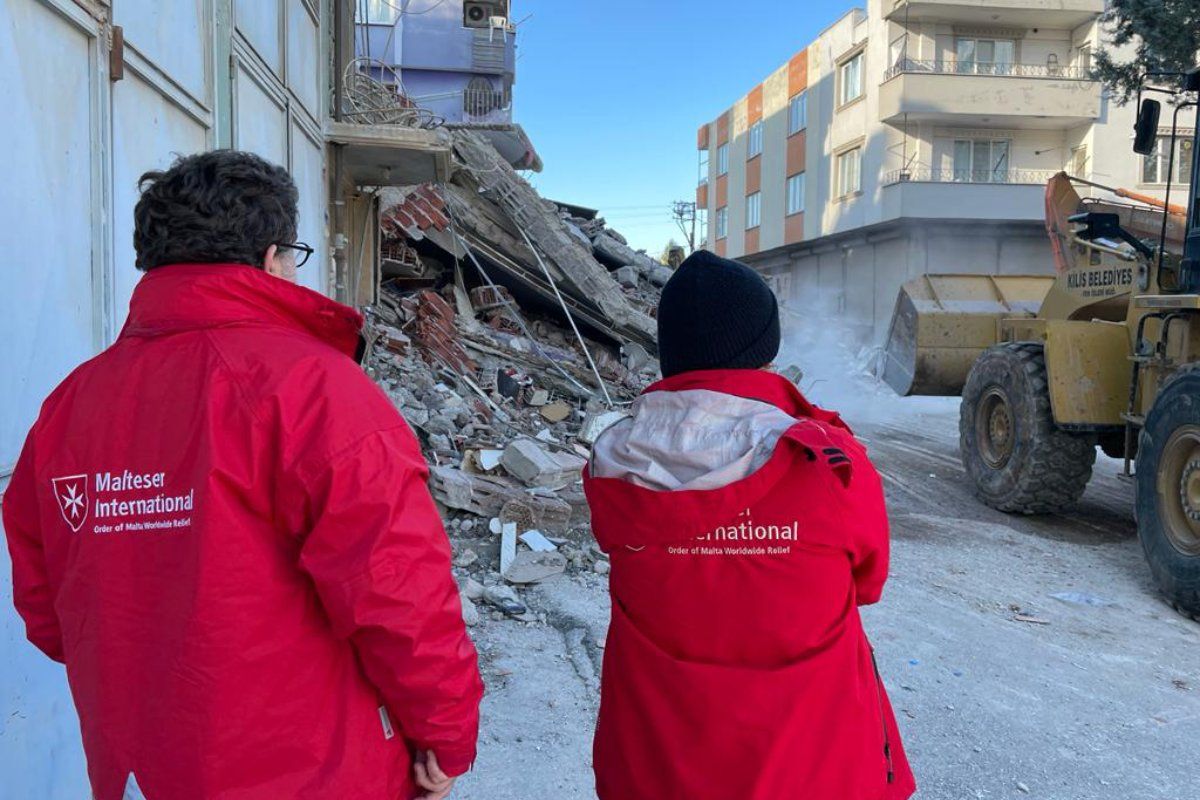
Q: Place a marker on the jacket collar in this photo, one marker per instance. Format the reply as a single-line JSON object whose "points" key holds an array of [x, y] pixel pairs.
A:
{"points": [[181, 297], [752, 384]]}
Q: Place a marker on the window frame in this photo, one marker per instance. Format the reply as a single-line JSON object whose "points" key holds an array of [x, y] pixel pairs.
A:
{"points": [[704, 166], [722, 159], [844, 191], [1182, 175], [754, 211], [798, 100], [800, 180], [843, 66], [754, 141], [973, 170], [722, 225]]}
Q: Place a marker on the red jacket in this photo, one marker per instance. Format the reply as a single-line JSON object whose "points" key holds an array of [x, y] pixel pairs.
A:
{"points": [[745, 528], [221, 527]]}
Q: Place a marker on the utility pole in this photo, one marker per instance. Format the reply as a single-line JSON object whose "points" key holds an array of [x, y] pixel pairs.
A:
{"points": [[684, 213]]}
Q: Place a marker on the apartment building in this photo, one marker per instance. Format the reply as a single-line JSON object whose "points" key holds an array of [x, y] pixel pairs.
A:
{"points": [[456, 59], [916, 136]]}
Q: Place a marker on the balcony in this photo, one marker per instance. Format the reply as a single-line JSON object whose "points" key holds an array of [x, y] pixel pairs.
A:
{"points": [[1016, 195], [972, 93], [1065, 14], [387, 139]]}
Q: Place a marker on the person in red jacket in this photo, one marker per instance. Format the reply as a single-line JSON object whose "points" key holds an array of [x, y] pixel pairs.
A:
{"points": [[221, 527], [745, 527]]}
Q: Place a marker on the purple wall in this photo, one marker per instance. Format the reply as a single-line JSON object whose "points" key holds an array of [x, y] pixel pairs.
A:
{"points": [[435, 55]]}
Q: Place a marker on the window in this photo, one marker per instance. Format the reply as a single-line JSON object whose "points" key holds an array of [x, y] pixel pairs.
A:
{"points": [[1154, 165], [798, 113], [981, 160], [850, 172], [754, 211], [850, 80], [1083, 58], [898, 51], [379, 12], [723, 159], [722, 222], [703, 167], [756, 143], [985, 56], [795, 194]]}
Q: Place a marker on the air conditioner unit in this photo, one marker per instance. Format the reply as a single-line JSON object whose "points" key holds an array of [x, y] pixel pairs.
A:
{"points": [[479, 13]]}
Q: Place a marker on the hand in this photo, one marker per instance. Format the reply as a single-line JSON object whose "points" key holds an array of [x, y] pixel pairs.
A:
{"points": [[430, 777]]}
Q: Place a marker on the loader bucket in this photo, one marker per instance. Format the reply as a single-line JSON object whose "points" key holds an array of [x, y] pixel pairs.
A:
{"points": [[942, 323]]}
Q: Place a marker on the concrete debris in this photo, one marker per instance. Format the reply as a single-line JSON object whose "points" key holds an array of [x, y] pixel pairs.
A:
{"points": [[529, 462], [470, 613], [596, 424], [508, 547], [628, 276], [530, 567], [472, 589], [537, 542], [508, 330], [556, 412], [504, 598]]}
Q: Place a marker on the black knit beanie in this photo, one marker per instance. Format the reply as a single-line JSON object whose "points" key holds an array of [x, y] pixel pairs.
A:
{"points": [[716, 314]]}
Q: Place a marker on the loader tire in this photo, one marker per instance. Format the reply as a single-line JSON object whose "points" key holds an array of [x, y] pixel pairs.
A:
{"points": [[1018, 459], [1168, 490]]}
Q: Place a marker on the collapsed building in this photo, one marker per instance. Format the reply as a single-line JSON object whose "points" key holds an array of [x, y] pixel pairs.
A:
{"points": [[510, 331]]}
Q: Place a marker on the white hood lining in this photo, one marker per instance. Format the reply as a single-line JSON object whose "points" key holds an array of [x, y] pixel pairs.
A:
{"points": [[690, 440]]}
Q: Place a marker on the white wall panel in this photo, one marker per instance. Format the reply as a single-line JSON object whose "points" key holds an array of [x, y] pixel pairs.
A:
{"points": [[48, 313], [308, 170], [260, 120], [259, 22], [176, 36], [149, 131], [303, 60]]}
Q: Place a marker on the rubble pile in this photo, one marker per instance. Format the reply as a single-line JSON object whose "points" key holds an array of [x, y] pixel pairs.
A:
{"points": [[510, 332]]}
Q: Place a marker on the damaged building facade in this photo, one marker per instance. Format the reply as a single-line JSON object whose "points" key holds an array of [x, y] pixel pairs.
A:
{"points": [[509, 329], [914, 137]]}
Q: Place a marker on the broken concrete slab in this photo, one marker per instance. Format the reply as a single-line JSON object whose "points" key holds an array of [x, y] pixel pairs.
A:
{"points": [[582, 275], [537, 541], [530, 567], [508, 547], [556, 411], [529, 462], [628, 276], [658, 275]]}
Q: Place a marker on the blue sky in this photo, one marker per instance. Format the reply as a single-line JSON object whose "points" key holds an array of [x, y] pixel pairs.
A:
{"points": [[612, 93]]}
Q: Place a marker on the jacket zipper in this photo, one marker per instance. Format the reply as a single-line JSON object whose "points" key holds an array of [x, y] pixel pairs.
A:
{"points": [[887, 743]]}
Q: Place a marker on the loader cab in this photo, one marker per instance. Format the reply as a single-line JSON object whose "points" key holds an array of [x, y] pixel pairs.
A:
{"points": [[1182, 275]]}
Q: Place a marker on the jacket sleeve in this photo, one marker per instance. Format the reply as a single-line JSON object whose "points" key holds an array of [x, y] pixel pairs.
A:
{"points": [[32, 595], [380, 561], [865, 516]]}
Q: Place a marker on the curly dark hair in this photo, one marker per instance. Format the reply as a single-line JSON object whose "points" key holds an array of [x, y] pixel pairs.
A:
{"points": [[223, 206]]}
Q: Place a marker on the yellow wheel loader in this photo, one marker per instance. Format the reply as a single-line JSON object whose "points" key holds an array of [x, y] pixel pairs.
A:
{"points": [[1105, 352]]}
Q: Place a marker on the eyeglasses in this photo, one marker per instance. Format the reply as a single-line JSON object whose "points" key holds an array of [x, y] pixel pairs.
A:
{"points": [[303, 252]]}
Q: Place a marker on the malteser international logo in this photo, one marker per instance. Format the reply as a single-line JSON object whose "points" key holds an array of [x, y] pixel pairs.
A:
{"points": [[71, 494], [123, 501]]}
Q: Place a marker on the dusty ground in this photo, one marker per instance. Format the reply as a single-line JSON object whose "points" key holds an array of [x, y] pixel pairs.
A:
{"points": [[1097, 700]]}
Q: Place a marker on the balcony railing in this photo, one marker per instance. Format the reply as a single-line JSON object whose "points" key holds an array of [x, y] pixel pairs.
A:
{"points": [[956, 67], [1029, 177]]}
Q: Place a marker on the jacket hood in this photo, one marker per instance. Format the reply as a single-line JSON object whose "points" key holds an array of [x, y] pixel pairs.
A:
{"points": [[180, 297], [699, 449]]}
